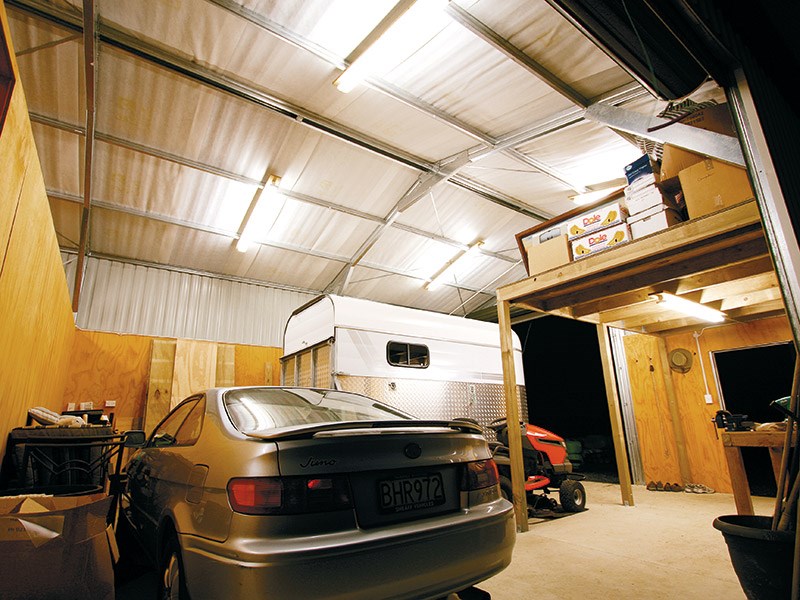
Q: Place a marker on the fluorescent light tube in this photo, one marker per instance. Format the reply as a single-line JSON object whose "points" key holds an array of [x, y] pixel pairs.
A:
{"points": [[254, 220], [689, 308], [589, 197], [439, 277], [405, 29]]}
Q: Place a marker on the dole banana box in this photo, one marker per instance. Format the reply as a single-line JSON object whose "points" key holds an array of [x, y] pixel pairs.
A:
{"points": [[600, 240], [599, 218]]}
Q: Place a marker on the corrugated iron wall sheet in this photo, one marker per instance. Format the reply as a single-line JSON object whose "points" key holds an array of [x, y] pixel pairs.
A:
{"points": [[127, 298]]}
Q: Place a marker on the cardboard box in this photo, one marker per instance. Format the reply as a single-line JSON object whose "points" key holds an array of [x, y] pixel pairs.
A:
{"points": [[716, 118], [600, 240], [546, 255], [674, 160], [596, 219], [654, 220], [642, 169], [55, 547], [711, 185], [644, 199]]}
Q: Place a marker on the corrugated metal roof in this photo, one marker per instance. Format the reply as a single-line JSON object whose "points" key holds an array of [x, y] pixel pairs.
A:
{"points": [[475, 135]]}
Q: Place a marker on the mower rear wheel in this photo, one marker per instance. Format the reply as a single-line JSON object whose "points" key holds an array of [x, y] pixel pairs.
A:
{"points": [[572, 495], [505, 488]]}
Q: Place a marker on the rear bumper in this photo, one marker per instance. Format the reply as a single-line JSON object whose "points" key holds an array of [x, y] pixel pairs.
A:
{"points": [[422, 559]]}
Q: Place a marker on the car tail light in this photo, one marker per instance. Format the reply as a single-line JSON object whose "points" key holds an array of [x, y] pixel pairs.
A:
{"points": [[288, 495], [479, 474]]}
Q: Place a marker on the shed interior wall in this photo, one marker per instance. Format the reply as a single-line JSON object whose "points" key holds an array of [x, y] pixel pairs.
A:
{"points": [[703, 447], [110, 366], [36, 325]]}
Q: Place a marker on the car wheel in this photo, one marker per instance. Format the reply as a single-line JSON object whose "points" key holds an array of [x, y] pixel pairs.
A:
{"points": [[171, 582], [572, 495]]}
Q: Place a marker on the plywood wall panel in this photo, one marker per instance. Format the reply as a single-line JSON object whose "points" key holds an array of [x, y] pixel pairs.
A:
{"points": [[110, 366], [651, 410], [159, 382], [257, 365], [36, 325], [226, 369], [195, 369], [704, 448]]}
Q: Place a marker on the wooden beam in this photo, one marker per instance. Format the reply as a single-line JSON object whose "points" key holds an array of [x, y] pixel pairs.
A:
{"points": [[767, 309], [646, 273], [512, 415], [685, 242], [748, 313], [758, 271], [753, 297], [734, 286], [615, 416], [731, 272]]}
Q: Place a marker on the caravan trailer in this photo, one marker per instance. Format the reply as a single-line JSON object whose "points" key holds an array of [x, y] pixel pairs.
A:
{"points": [[430, 365]]}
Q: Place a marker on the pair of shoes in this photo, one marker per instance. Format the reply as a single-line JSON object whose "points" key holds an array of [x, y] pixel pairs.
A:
{"points": [[698, 488], [657, 486]]}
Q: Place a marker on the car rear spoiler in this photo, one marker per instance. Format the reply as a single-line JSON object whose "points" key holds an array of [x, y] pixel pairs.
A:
{"points": [[307, 431]]}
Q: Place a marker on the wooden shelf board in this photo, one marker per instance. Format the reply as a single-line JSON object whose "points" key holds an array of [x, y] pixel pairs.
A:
{"points": [[721, 260]]}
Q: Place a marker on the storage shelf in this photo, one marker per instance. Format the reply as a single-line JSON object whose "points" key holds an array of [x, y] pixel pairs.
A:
{"points": [[721, 260]]}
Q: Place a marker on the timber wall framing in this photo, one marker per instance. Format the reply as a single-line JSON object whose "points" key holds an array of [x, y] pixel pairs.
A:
{"points": [[36, 323], [658, 438]]}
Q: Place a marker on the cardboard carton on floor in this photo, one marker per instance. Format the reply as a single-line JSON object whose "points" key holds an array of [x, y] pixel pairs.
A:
{"points": [[55, 547], [712, 185]]}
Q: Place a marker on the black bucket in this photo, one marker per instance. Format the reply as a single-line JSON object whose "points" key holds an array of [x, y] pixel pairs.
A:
{"points": [[761, 558]]}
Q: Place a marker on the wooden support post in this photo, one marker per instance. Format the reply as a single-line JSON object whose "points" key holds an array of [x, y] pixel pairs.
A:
{"points": [[677, 425], [512, 416], [614, 415]]}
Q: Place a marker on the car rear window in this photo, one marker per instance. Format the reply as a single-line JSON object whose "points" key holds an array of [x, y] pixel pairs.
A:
{"points": [[257, 409]]}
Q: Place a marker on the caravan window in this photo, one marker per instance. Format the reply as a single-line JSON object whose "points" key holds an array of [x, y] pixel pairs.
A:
{"points": [[402, 354]]}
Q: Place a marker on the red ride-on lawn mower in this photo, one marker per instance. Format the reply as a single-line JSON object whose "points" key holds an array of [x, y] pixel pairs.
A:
{"points": [[547, 468]]}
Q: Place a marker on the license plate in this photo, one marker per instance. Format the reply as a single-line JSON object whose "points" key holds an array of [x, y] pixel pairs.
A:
{"points": [[403, 494]]}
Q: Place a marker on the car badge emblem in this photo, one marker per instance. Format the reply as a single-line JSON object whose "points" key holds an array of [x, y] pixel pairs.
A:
{"points": [[412, 450]]}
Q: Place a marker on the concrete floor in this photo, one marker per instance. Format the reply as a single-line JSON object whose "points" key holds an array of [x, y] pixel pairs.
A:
{"points": [[663, 547]]}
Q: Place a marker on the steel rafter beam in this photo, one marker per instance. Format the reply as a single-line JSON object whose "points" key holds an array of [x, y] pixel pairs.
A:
{"points": [[110, 206], [90, 77], [724, 147], [491, 37], [299, 197], [123, 41]]}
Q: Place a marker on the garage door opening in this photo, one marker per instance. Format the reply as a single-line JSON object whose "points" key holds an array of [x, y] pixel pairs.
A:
{"points": [[566, 391], [749, 379]]}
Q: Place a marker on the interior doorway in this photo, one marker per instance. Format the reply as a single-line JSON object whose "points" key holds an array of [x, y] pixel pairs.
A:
{"points": [[566, 391], [748, 380]]}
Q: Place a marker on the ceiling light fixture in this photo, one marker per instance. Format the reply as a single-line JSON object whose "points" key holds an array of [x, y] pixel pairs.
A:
{"points": [[689, 308], [438, 278], [403, 30], [254, 219], [590, 197]]}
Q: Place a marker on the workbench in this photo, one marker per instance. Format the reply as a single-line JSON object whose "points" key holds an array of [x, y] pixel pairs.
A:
{"points": [[733, 442]]}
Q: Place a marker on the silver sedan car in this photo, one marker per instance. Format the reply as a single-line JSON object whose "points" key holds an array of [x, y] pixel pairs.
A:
{"points": [[270, 492]]}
